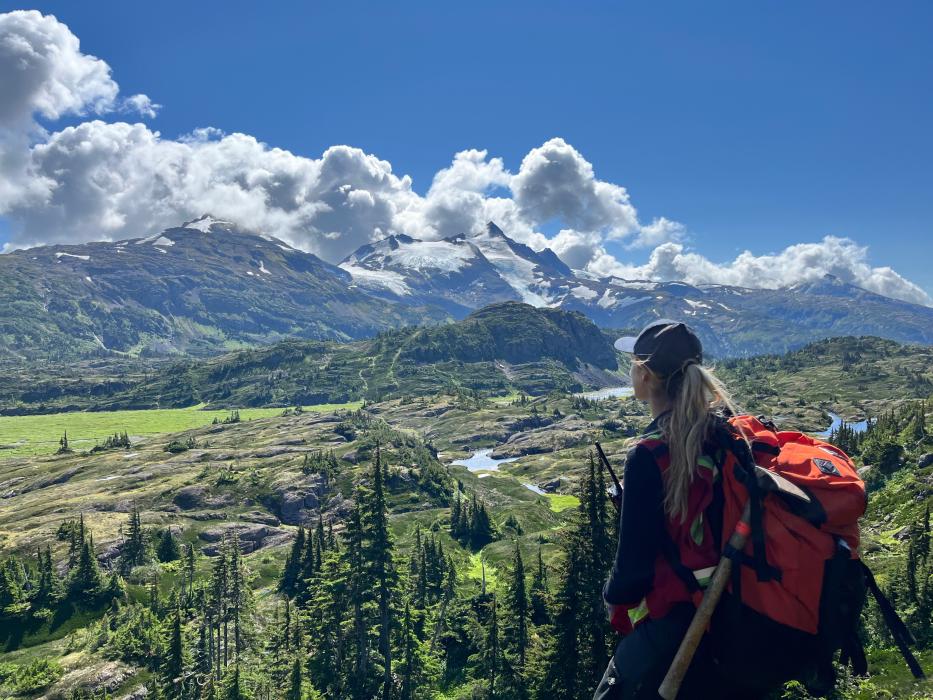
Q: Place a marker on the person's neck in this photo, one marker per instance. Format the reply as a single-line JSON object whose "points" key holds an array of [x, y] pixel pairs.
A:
{"points": [[659, 405]]}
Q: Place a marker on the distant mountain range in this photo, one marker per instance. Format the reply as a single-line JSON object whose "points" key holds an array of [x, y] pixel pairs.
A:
{"points": [[200, 288], [209, 286]]}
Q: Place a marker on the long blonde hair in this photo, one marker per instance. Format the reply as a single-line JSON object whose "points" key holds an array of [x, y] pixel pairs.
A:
{"points": [[695, 394]]}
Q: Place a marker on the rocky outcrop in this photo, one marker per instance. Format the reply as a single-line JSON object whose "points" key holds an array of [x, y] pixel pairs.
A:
{"points": [[95, 680], [566, 432], [198, 497], [297, 502], [251, 536]]}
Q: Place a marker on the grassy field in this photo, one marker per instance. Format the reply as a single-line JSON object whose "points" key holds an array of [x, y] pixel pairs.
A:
{"points": [[39, 434], [562, 501]]}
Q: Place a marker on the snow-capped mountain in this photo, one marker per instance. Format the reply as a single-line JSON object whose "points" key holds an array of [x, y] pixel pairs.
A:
{"points": [[470, 271], [208, 285], [461, 272], [198, 288]]}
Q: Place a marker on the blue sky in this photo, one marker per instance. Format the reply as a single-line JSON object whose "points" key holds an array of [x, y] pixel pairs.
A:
{"points": [[756, 125]]}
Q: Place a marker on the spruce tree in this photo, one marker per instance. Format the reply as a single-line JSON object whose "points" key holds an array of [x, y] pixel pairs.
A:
{"points": [[289, 579], [379, 559], [168, 549], [134, 545], [492, 652], [86, 583], [173, 665], [562, 660], [515, 629], [295, 683], [596, 549], [539, 594]]}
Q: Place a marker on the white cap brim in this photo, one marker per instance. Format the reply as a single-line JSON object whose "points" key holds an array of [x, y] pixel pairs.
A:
{"points": [[626, 344]]}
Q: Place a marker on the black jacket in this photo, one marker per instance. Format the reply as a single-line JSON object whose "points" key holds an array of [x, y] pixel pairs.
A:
{"points": [[641, 527]]}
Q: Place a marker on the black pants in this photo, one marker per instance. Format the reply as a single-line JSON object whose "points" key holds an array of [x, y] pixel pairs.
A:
{"points": [[642, 658]]}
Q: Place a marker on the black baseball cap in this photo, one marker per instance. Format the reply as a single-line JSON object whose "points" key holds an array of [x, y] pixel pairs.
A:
{"points": [[666, 346]]}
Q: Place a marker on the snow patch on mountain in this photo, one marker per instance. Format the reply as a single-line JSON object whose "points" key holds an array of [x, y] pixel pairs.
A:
{"points": [[584, 293], [427, 256], [378, 279], [162, 240], [205, 223], [72, 255]]}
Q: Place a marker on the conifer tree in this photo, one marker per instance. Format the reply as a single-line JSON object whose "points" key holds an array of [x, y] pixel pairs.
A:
{"points": [[492, 653], [320, 539], [86, 582], [134, 545], [562, 660], [168, 549], [515, 630], [289, 579], [238, 594], [49, 585], [295, 682], [173, 665], [515, 636], [379, 559], [218, 607], [539, 594]]}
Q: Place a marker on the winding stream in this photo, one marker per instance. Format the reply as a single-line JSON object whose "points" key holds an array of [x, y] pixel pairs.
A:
{"points": [[858, 427]]}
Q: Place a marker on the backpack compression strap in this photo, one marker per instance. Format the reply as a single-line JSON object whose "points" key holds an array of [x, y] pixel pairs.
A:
{"points": [[729, 439]]}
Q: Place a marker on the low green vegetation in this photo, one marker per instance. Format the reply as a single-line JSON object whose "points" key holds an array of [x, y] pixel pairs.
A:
{"points": [[41, 434]]}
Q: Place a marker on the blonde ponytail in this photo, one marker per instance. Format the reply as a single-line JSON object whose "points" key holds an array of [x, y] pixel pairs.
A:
{"points": [[694, 395]]}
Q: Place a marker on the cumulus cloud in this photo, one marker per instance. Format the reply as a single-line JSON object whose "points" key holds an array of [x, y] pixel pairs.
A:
{"points": [[101, 180], [803, 262], [43, 72], [556, 182]]}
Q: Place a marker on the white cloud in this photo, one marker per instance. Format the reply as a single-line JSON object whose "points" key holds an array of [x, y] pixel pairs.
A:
{"points": [[103, 180], [803, 262], [142, 105], [556, 182], [43, 72]]}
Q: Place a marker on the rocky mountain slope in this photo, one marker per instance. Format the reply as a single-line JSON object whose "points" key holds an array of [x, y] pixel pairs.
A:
{"points": [[200, 288], [208, 286]]}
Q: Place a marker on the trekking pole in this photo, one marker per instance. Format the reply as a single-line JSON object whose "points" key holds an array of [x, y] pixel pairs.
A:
{"points": [[670, 686], [615, 480]]}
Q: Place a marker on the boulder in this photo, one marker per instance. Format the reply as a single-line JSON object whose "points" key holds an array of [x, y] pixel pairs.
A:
{"points": [[195, 496], [252, 537], [296, 501], [925, 460]]}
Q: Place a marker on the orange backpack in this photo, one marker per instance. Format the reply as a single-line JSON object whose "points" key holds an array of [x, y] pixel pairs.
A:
{"points": [[798, 586], [798, 582], [792, 536]]}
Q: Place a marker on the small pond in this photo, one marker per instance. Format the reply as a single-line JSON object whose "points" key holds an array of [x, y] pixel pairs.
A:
{"points": [[481, 461], [609, 392]]}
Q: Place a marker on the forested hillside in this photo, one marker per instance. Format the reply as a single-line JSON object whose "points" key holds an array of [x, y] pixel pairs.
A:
{"points": [[501, 348]]}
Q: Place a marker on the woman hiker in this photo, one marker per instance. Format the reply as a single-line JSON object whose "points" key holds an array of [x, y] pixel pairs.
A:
{"points": [[667, 474]]}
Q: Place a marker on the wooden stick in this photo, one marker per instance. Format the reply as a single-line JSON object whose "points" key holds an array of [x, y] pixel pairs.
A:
{"points": [[670, 686]]}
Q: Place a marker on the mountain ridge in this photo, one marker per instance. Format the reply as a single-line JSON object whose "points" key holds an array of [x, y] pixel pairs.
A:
{"points": [[208, 286]]}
